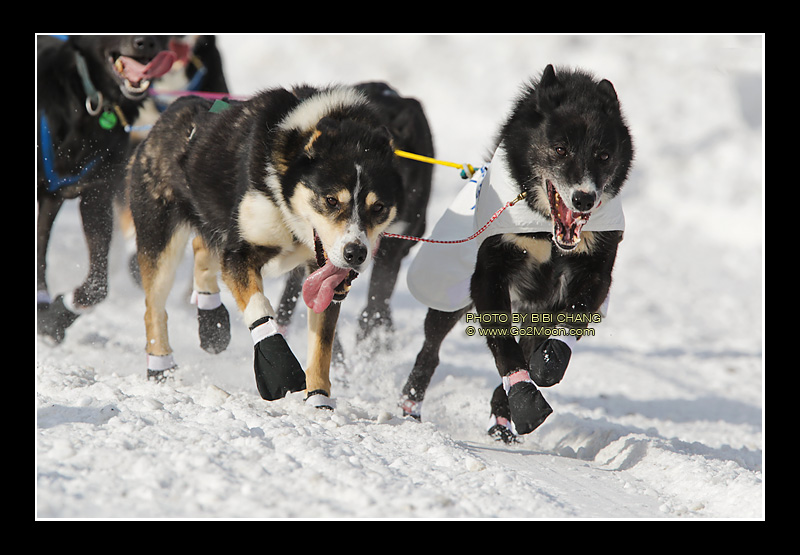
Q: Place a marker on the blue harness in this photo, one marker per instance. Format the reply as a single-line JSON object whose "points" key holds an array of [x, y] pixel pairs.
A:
{"points": [[49, 156], [55, 181]]}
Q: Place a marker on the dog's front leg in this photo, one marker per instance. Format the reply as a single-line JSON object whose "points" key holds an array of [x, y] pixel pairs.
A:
{"points": [[437, 325], [98, 224], [321, 332], [47, 325], [49, 205], [378, 313], [276, 368], [490, 292], [97, 218]]}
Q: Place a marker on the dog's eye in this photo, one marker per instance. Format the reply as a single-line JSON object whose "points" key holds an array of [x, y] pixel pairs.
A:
{"points": [[377, 208], [603, 156], [561, 151], [333, 202]]}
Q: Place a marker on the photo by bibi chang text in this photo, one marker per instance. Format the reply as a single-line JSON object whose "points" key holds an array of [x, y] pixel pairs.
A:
{"points": [[500, 324]]}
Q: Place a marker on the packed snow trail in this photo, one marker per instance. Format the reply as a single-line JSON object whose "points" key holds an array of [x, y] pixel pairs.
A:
{"points": [[660, 415]]}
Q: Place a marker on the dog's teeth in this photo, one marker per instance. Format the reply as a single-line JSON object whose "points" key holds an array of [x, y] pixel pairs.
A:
{"points": [[143, 86]]}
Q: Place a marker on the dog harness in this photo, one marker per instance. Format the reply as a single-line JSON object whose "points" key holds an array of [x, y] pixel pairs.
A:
{"points": [[56, 181], [95, 106], [440, 274]]}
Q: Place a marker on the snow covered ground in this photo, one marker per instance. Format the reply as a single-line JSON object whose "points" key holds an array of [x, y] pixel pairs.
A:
{"points": [[660, 415]]}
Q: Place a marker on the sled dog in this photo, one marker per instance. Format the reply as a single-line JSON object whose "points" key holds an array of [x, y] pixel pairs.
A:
{"points": [[89, 87], [406, 121], [276, 182], [566, 147]]}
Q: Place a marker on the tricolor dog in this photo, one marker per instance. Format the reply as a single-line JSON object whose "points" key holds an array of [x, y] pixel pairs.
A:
{"points": [[567, 149], [405, 119], [276, 182]]}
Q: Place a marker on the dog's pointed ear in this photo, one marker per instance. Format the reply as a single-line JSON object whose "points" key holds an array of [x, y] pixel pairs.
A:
{"points": [[326, 126], [309, 148], [607, 89], [548, 76], [384, 134], [609, 95], [547, 97]]}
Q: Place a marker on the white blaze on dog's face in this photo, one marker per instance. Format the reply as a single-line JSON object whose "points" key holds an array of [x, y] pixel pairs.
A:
{"points": [[348, 190], [348, 217]]}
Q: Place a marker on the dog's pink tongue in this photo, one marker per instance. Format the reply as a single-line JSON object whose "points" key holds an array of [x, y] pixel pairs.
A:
{"points": [[571, 223], [318, 289], [158, 66]]}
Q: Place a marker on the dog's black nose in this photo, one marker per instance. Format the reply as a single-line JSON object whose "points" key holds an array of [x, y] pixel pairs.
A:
{"points": [[146, 44], [583, 201], [355, 253]]}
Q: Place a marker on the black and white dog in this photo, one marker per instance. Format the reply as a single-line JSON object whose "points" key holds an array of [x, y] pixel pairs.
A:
{"points": [[405, 118], [272, 183], [567, 148], [89, 89]]}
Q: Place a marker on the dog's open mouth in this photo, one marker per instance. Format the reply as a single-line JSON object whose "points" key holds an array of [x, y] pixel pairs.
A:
{"points": [[566, 223], [329, 283], [135, 76]]}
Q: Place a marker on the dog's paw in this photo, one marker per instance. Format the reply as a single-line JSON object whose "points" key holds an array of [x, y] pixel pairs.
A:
{"points": [[320, 399], [277, 370], [161, 376], [500, 429], [500, 433], [53, 319], [411, 408], [527, 405], [160, 368], [549, 362]]}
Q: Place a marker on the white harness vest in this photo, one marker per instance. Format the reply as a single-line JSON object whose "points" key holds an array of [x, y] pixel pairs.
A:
{"points": [[439, 275]]}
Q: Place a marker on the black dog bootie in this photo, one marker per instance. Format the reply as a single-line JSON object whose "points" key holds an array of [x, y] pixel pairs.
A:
{"points": [[277, 370], [527, 405], [549, 362], [213, 322], [53, 319]]}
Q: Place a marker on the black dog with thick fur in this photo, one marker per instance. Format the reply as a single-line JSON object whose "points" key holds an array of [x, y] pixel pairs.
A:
{"points": [[568, 148], [88, 89]]}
